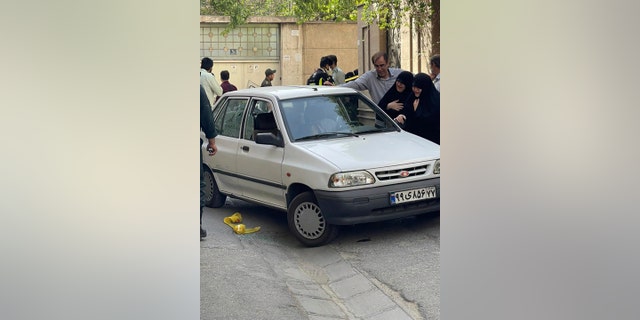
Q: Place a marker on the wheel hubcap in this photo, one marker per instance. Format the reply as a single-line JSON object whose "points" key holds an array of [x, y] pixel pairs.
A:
{"points": [[309, 220]]}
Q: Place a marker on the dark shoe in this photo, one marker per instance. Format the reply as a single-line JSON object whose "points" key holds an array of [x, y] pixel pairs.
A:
{"points": [[203, 233]]}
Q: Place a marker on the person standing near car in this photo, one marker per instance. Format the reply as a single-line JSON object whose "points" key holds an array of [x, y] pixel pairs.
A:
{"points": [[377, 81], [322, 76], [226, 85], [208, 80], [421, 112], [209, 129], [269, 74], [393, 101], [337, 73], [434, 65]]}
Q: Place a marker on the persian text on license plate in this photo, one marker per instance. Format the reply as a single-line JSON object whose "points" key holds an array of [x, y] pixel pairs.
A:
{"points": [[412, 195]]}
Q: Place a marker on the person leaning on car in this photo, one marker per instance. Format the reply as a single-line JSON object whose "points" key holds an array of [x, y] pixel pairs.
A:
{"points": [[377, 81], [393, 101], [207, 126], [421, 112]]}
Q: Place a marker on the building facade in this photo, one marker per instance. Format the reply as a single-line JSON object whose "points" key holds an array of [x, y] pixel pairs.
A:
{"points": [[293, 50]]}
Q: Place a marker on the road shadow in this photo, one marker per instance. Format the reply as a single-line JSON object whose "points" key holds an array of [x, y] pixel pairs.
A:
{"points": [[274, 226], [426, 225]]}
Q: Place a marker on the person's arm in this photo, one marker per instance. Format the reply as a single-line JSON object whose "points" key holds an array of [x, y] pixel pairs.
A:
{"points": [[206, 122], [211, 147], [359, 84], [400, 118], [395, 105], [215, 86]]}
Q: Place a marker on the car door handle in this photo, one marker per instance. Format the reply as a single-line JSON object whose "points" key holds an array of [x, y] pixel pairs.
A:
{"points": [[245, 148]]}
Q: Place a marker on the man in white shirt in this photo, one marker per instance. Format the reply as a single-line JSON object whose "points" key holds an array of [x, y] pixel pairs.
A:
{"points": [[337, 73], [208, 81], [434, 64]]}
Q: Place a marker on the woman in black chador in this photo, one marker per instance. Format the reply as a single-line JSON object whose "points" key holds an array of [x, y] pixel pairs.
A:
{"points": [[393, 101], [421, 112]]}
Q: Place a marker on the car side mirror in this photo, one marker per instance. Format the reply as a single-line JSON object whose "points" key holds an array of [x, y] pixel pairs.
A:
{"points": [[270, 138], [266, 131]]}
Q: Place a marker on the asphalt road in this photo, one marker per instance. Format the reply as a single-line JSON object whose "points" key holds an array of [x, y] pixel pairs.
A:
{"points": [[386, 270]]}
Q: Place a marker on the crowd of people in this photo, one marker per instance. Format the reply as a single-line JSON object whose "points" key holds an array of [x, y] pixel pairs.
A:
{"points": [[411, 100], [210, 85]]}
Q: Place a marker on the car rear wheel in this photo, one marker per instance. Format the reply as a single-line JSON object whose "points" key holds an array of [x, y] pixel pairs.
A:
{"points": [[307, 222], [213, 197]]}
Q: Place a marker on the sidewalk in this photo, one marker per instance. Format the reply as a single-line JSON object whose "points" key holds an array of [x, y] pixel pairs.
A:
{"points": [[236, 282]]}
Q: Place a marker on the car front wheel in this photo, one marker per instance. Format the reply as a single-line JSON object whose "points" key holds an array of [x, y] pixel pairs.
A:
{"points": [[213, 197], [307, 222]]}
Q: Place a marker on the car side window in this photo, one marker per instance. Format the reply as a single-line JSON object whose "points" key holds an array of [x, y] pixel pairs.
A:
{"points": [[229, 121], [257, 107]]}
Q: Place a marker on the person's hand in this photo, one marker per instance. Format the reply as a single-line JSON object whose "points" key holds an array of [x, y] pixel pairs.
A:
{"points": [[395, 105], [211, 147], [400, 118], [327, 83]]}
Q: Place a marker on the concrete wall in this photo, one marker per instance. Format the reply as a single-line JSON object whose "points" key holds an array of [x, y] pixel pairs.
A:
{"points": [[370, 40], [292, 48], [406, 48], [324, 38], [301, 47]]}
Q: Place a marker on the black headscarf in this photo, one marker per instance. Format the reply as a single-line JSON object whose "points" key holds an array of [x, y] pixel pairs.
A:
{"points": [[406, 78], [422, 81], [425, 120]]}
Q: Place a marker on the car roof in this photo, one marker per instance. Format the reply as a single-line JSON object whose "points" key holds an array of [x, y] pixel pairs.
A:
{"points": [[290, 92]]}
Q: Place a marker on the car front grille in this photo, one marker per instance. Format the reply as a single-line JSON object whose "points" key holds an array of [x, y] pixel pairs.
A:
{"points": [[398, 173]]}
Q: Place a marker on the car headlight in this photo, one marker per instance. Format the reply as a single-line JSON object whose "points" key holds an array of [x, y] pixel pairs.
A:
{"points": [[350, 179], [436, 167]]}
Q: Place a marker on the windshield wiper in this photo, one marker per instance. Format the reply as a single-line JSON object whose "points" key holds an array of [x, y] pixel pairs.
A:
{"points": [[387, 129], [326, 135]]}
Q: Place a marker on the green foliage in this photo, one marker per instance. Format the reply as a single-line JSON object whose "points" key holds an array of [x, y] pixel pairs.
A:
{"points": [[329, 10], [388, 14], [239, 10], [303, 11]]}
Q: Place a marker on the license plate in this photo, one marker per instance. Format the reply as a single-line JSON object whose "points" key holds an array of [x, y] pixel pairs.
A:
{"points": [[412, 195]]}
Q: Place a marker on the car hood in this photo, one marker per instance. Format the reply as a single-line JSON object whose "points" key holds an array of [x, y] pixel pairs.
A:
{"points": [[374, 150]]}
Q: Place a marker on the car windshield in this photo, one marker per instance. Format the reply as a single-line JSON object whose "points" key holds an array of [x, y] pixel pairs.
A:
{"points": [[333, 116]]}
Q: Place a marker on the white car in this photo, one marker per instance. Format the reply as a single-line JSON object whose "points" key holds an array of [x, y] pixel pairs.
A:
{"points": [[327, 156]]}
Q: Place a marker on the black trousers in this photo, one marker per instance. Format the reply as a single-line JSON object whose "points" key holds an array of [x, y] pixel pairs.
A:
{"points": [[202, 185]]}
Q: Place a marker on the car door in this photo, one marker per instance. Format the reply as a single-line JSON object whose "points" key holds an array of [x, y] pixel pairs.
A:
{"points": [[228, 122], [260, 166]]}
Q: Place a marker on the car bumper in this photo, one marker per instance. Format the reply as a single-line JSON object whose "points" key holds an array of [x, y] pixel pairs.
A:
{"points": [[373, 204]]}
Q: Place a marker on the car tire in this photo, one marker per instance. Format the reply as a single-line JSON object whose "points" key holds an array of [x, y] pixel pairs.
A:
{"points": [[213, 197], [307, 222]]}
